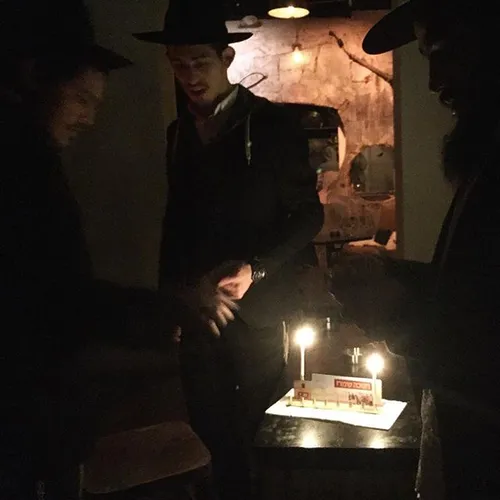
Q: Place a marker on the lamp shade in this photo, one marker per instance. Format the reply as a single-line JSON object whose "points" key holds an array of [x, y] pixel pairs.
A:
{"points": [[288, 9]]}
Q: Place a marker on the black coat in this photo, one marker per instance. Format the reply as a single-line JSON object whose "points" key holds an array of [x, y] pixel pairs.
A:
{"points": [[45, 266], [453, 341], [448, 327], [50, 304], [452, 303], [45, 279], [250, 193]]}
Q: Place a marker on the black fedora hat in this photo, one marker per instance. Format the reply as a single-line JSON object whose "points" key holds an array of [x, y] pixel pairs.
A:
{"points": [[193, 23], [32, 28], [394, 30], [103, 58]]}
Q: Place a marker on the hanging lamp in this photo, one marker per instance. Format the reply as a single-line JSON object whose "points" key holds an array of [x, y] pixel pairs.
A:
{"points": [[288, 9]]}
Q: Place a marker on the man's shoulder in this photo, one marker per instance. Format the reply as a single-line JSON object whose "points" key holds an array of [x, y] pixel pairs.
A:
{"points": [[263, 105], [173, 125], [276, 114], [172, 130], [21, 141]]}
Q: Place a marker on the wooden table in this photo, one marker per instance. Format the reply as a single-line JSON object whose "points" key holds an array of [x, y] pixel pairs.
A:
{"points": [[298, 449]]}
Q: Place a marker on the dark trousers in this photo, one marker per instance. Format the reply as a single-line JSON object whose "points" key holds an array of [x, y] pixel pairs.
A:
{"points": [[229, 382]]}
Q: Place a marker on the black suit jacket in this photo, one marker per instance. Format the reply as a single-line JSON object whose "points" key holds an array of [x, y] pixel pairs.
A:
{"points": [[248, 194]]}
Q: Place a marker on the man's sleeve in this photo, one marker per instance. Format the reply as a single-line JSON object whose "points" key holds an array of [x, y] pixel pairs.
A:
{"points": [[169, 241], [296, 182]]}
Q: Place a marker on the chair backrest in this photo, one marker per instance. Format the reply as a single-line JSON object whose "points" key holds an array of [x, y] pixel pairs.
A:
{"points": [[143, 456]]}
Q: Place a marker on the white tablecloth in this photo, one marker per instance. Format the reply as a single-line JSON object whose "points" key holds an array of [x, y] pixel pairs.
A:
{"points": [[382, 420]]}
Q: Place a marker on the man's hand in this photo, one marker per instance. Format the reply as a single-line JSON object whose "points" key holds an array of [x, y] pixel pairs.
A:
{"points": [[210, 304], [236, 284]]}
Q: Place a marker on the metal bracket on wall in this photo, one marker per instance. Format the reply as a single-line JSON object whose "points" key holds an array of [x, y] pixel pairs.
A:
{"points": [[261, 78], [358, 60]]}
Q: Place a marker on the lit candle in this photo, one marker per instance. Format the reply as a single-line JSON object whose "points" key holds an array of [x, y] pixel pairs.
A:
{"points": [[375, 364], [304, 338]]}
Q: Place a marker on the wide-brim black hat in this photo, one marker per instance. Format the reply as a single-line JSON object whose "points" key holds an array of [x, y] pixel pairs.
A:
{"points": [[170, 38], [394, 30], [193, 23], [34, 28], [106, 59], [397, 27]]}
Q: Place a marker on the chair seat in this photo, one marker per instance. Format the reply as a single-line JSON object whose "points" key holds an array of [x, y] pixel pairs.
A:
{"points": [[141, 456]]}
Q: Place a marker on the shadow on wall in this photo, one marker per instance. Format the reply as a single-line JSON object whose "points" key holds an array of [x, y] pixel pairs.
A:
{"points": [[117, 169]]}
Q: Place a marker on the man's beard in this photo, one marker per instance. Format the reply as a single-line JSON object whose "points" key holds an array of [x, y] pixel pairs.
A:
{"points": [[467, 146], [476, 105]]}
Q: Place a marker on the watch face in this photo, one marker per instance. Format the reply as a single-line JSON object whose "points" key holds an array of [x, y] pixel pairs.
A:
{"points": [[258, 274]]}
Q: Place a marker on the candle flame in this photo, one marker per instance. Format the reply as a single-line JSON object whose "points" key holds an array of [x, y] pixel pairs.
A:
{"points": [[305, 336], [375, 363]]}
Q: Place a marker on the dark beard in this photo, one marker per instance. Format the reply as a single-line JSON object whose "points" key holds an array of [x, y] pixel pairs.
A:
{"points": [[467, 146]]}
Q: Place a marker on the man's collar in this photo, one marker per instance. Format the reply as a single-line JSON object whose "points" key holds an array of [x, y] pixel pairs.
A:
{"points": [[226, 103]]}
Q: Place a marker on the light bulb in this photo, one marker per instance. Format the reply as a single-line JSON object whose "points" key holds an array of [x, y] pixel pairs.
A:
{"points": [[289, 12], [298, 56]]}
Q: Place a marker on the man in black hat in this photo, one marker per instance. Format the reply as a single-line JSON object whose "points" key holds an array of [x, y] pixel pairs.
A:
{"points": [[242, 209], [53, 81], [447, 323], [49, 51]]}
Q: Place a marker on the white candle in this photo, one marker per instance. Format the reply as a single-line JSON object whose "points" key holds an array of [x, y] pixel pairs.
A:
{"points": [[304, 338], [375, 363], [374, 395], [302, 362]]}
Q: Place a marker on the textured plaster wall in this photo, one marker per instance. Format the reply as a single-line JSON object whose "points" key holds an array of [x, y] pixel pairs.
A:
{"points": [[332, 70], [327, 76]]}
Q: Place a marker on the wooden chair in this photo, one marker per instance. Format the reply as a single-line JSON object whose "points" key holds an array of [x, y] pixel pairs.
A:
{"points": [[166, 461]]}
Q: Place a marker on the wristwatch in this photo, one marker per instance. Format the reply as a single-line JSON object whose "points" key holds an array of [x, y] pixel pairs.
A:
{"points": [[258, 270]]}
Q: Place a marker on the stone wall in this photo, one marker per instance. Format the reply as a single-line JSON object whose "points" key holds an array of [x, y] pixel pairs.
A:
{"points": [[327, 75], [331, 70]]}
